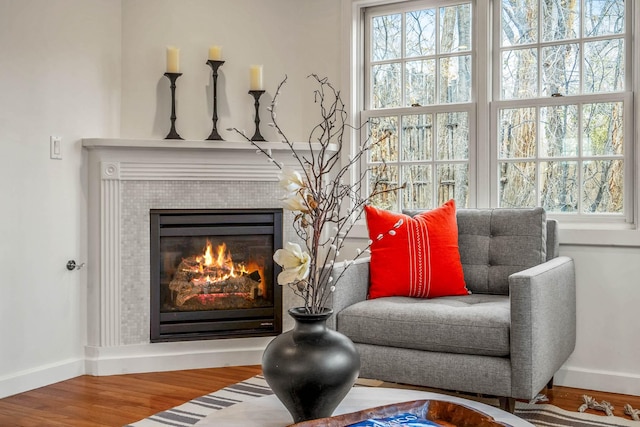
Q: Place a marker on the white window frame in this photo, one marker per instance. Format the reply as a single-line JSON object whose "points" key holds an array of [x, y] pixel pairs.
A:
{"points": [[433, 109], [616, 220], [596, 231]]}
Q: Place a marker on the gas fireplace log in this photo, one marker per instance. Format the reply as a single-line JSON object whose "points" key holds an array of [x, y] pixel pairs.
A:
{"points": [[190, 267], [255, 275], [185, 288]]}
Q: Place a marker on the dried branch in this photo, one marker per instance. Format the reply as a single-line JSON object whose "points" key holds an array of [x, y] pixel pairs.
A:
{"points": [[326, 207]]}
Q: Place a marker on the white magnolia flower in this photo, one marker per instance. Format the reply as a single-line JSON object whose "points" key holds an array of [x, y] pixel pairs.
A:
{"points": [[295, 202], [291, 180], [294, 262]]}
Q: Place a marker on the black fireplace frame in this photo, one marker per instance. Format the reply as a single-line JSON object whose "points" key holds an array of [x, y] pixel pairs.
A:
{"points": [[213, 324]]}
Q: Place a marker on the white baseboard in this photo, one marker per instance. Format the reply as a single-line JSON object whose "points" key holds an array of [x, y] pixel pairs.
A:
{"points": [[174, 356], [607, 381], [41, 376], [159, 357], [140, 358]]}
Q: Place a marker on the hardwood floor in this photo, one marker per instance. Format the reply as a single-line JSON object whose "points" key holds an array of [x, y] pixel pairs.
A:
{"points": [[122, 399], [117, 400], [571, 398]]}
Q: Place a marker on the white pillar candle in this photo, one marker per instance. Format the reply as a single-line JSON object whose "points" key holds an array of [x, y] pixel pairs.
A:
{"points": [[255, 77], [173, 59], [215, 53]]}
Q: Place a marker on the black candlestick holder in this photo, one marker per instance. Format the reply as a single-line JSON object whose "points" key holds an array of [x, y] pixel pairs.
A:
{"points": [[256, 95], [214, 64], [173, 134]]}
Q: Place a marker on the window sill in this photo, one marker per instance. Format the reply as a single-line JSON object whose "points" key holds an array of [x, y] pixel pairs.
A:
{"points": [[582, 236]]}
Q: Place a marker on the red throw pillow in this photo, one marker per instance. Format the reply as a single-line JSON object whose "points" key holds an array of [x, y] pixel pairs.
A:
{"points": [[419, 258]]}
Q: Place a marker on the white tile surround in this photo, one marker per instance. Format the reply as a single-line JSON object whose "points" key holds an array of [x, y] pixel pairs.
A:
{"points": [[126, 178]]}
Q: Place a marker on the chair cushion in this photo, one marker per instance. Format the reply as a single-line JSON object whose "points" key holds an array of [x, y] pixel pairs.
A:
{"points": [[471, 324], [495, 243], [416, 257]]}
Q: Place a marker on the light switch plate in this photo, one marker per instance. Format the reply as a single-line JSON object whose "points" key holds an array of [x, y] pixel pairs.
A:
{"points": [[55, 147]]}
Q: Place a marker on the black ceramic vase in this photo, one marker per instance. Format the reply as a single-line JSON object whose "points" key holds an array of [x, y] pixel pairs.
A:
{"points": [[310, 368]]}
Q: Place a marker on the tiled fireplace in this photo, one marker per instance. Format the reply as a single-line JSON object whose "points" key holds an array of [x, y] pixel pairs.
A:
{"points": [[128, 179]]}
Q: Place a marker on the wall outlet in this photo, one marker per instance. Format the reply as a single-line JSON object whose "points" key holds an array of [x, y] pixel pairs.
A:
{"points": [[55, 147]]}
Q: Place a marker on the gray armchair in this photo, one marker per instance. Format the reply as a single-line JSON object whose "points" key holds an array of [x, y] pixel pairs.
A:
{"points": [[507, 339]]}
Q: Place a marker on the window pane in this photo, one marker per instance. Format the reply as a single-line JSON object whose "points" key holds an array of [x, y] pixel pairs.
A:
{"points": [[604, 17], [417, 137], [517, 133], [517, 185], [421, 33], [559, 136], [566, 158], [603, 186], [604, 66], [383, 178], [453, 183], [519, 74], [603, 130], [386, 85], [387, 148], [455, 79], [386, 37], [561, 70], [420, 82], [519, 22], [559, 186], [453, 136], [561, 20], [455, 28], [419, 187]]}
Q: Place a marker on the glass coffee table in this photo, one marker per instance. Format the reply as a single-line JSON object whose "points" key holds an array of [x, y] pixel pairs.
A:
{"points": [[269, 412]]}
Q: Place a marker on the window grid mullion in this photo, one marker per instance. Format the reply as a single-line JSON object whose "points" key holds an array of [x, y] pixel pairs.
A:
{"points": [[403, 64], [581, 182], [538, 175]]}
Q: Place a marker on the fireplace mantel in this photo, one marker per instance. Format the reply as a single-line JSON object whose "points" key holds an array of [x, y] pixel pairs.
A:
{"points": [[130, 159], [188, 144], [126, 178]]}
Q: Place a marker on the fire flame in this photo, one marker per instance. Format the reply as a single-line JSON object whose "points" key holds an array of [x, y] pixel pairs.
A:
{"points": [[208, 257], [218, 265]]}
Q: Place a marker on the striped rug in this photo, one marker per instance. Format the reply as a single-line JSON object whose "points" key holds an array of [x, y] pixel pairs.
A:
{"points": [[188, 414]]}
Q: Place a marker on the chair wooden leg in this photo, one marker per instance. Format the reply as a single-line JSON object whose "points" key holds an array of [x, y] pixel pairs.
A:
{"points": [[550, 384], [507, 404]]}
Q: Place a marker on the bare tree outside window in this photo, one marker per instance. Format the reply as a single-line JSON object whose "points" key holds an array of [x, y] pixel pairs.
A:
{"points": [[557, 104], [421, 60], [566, 156]]}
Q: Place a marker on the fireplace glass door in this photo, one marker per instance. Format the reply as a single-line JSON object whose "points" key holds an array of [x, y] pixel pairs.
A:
{"points": [[213, 275]]}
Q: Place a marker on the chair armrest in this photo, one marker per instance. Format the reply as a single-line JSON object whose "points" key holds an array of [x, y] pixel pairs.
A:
{"points": [[351, 288], [543, 323]]}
